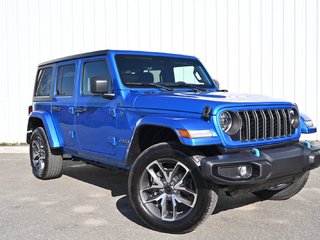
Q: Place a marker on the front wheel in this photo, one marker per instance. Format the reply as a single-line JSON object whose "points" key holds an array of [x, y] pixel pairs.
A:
{"points": [[167, 191], [284, 191]]}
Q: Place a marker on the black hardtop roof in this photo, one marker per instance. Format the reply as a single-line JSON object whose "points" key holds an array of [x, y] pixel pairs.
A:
{"points": [[105, 52], [77, 56]]}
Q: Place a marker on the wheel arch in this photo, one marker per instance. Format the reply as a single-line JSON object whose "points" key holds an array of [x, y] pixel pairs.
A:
{"points": [[151, 130], [142, 133], [44, 119]]}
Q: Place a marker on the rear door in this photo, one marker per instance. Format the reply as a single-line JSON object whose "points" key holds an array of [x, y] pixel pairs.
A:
{"points": [[95, 115], [63, 102]]}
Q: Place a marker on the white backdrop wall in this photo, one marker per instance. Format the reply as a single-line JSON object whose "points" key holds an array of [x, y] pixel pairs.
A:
{"points": [[254, 46]]}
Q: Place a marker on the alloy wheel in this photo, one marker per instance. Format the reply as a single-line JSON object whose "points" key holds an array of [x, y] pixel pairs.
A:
{"points": [[38, 155], [168, 189]]}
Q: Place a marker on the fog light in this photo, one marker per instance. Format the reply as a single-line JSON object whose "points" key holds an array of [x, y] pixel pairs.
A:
{"points": [[245, 171], [235, 172]]}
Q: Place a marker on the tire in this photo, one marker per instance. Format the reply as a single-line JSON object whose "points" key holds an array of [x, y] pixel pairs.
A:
{"points": [[284, 191], [45, 165], [178, 207]]}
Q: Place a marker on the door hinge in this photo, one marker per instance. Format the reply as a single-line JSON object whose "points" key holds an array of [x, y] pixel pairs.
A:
{"points": [[113, 112], [112, 141], [71, 110], [72, 134]]}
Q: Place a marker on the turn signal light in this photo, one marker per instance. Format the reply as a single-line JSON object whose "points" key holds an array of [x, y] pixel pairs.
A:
{"points": [[195, 133], [184, 133]]}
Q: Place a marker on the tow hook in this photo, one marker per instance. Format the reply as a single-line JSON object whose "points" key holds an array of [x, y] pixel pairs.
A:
{"points": [[256, 152], [308, 144]]}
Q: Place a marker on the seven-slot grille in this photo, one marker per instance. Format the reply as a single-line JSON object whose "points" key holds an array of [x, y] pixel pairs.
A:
{"points": [[264, 124]]}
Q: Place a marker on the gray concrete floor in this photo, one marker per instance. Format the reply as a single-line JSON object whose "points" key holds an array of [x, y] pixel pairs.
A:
{"points": [[88, 202]]}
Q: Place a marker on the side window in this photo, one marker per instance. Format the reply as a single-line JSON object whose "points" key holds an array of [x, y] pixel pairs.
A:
{"points": [[44, 82], [94, 68], [65, 81]]}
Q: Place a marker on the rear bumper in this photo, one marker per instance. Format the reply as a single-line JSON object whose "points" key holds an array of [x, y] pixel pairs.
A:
{"points": [[271, 167]]}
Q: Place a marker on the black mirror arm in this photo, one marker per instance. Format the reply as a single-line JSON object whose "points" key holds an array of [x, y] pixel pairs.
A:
{"points": [[108, 95]]}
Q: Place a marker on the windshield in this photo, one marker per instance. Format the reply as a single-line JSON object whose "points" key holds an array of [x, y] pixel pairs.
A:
{"points": [[137, 70]]}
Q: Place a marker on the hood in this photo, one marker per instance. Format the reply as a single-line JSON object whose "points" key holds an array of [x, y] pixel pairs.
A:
{"points": [[195, 102]]}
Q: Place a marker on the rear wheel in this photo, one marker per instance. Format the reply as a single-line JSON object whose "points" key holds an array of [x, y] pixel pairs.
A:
{"points": [[167, 191], [45, 164], [284, 191]]}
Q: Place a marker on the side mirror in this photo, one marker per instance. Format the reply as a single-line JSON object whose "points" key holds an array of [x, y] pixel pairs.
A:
{"points": [[100, 85], [216, 82]]}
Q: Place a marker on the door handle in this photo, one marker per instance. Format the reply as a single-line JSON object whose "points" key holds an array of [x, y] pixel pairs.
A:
{"points": [[56, 108], [80, 109]]}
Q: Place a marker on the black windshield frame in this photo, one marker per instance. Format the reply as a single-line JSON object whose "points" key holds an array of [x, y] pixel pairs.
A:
{"points": [[126, 62]]}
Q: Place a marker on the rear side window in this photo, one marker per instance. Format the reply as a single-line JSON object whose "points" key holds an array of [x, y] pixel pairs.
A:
{"points": [[65, 81], [44, 82], [94, 68]]}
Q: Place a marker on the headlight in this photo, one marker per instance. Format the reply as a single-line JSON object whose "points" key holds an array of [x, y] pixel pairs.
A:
{"points": [[225, 121], [294, 118], [230, 122]]}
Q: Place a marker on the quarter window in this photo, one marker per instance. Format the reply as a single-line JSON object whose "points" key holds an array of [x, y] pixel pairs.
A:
{"points": [[65, 82], [44, 82]]}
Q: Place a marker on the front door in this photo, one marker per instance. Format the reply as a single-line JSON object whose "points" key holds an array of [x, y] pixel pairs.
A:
{"points": [[95, 115]]}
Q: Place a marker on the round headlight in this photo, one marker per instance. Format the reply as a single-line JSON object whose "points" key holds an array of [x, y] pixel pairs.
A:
{"points": [[291, 116], [230, 122], [294, 118], [225, 121]]}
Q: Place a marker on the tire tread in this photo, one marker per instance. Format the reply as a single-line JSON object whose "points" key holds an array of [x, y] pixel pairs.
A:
{"points": [[53, 168]]}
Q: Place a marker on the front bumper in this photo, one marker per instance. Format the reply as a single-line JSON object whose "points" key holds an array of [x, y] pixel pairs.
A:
{"points": [[273, 166]]}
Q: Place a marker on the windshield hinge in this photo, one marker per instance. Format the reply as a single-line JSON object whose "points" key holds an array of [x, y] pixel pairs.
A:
{"points": [[206, 113], [71, 110]]}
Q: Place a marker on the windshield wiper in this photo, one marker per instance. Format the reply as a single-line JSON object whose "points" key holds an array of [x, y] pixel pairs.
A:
{"points": [[152, 85], [222, 90], [183, 84]]}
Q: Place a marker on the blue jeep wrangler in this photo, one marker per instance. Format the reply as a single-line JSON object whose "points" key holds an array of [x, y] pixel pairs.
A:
{"points": [[165, 120]]}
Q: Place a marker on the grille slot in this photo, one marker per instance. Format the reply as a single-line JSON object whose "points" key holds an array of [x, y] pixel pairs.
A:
{"points": [[264, 124]]}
